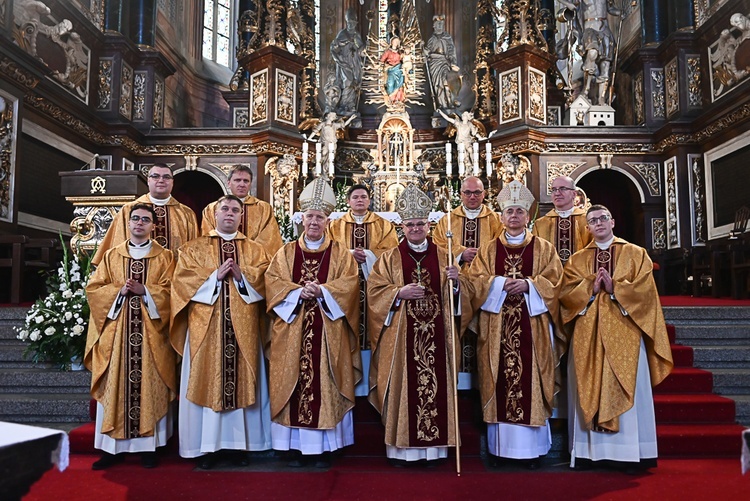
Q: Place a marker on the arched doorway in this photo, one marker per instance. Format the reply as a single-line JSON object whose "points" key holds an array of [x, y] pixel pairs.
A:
{"points": [[196, 190], [618, 193]]}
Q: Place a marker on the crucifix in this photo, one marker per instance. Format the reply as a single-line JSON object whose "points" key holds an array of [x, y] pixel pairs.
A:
{"points": [[513, 266]]}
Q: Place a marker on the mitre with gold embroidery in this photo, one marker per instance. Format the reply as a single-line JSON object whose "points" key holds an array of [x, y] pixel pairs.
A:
{"points": [[515, 194], [412, 203], [318, 195]]}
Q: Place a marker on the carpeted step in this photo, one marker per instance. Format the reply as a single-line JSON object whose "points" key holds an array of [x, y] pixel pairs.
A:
{"points": [[682, 355], [671, 333], [695, 409], [686, 380], [687, 440]]}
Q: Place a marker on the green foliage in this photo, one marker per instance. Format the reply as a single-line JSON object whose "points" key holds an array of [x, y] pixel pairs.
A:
{"points": [[284, 220]]}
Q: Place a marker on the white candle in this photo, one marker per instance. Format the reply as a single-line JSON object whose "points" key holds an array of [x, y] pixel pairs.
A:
{"points": [[330, 160], [317, 159], [475, 147], [461, 156], [304, 158], [448, 166], [488, 158]]}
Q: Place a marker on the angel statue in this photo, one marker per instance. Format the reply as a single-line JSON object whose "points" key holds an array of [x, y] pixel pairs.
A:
{"points": [[327, 129], [467, 132]]}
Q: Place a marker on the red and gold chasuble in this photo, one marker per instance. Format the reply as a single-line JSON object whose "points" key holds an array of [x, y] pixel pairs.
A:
{"points": [[133, 349], [360, 238], [305, 400], [426, 350], [228, 249], [161, 233], [564, 237], [513, 389]]}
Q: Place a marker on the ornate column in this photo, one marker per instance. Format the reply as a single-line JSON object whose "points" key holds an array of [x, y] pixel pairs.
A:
{"points": [[484, 80], [654, 21], [142, 22], [117, 16]]}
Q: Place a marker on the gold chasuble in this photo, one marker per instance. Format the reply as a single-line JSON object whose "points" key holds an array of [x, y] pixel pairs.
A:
{"points": [[605, 342], [258, 223], [567, 234], [517, 362], [175, 225], [468, 232], [375, 234], [133, 366], [225, 336], [410, 373], [314, 362]]}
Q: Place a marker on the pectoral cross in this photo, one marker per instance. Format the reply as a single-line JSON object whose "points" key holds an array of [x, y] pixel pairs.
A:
{"points": [[513, 266]]}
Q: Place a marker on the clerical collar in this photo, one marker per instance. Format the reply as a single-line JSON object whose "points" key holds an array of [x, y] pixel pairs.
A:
{"points": [[226, 236], [472, 213], [419, 247], [359, 219], [316, 244], [139, 251], [159, 201], [517, 240], [605, 245], [565, 213]]}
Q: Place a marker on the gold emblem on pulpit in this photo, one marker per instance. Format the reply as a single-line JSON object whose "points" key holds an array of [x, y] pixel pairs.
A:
{"points": [[98, 185]]}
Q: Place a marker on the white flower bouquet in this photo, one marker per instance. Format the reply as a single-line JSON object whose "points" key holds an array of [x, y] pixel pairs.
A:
{"points": [[55, 326]]}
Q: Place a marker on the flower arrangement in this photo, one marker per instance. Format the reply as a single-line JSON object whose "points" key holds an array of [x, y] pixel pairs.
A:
{"points": [[55, 326]]}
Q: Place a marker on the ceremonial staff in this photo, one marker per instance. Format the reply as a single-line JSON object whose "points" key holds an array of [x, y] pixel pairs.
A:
{"points": [[449, 235]]}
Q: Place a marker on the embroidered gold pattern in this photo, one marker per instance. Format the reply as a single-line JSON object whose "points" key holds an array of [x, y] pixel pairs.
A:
{"points": [[511, 341], [305, 394]]}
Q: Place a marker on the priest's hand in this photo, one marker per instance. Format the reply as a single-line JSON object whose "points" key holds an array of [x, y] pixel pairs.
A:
{"points": [[606, 281], [311, 290], [469, 254], [516, 286], [359, 255], [411, 291], [451, 272], [132, 287], [227, 267]]}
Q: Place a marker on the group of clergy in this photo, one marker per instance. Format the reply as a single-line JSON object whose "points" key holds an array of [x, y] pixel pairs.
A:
{"points": [[276, 341]]}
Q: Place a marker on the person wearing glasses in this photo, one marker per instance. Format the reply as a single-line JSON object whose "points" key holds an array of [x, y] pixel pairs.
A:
{"points": [[367, 236], [517, 277], [258, 222], [133, 375], [216, 308], [175, 223], [565, 225], [411, 380], [619, 349]]}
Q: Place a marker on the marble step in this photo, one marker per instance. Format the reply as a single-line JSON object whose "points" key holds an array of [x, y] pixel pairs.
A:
{"points": [[742, 408], [722, 357], [731, 382], [44, 381], [696, 335], [44, 408], [707, 314]]}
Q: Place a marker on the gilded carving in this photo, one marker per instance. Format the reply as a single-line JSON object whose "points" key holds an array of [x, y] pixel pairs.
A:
{"points": [[672, 87], [510, 95], [14, 72], [698, 199], [126, 91], [553, 115], [537, 95], [638, 98], [259, 97], [672, 205], [694, 81], [286, 84], [703, 9], [90, 224], [240, 119], [105, 84], [98, 185], [139, 95], [8, 133], [725, 75], [659, 233], [657, 93], [284, 173], [524, 22], [557, 169], [650, 174], [158, 114], [484, 83]]}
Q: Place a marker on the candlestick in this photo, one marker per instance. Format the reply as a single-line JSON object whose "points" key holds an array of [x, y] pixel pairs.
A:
{"points": [[448, 159], [304, 158], [317, 159], [461, 157], [330, 159], [488, 158], [475, 147]]}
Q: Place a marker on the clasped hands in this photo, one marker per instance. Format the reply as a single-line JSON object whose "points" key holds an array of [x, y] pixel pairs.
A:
{"points": [[603, 281], [229, 267], [311, 290], [359, 255], [417, 291], [132, 287], [516, 286]]}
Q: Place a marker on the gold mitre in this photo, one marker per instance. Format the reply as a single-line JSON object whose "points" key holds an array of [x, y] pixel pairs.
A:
{"points": [[318, 195], [412, 203], [515, 194]]}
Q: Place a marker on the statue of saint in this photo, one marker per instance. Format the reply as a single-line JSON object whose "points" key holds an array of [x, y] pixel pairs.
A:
{"points": [[394, 75], [346, 51], [445, 77]]}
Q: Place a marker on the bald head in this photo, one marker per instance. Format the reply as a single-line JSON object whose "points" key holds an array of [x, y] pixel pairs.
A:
{"points": [[472, 192], [563, 193]]}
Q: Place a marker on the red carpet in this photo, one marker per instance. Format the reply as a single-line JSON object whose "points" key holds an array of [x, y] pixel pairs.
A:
{"points": [[372, 479]]}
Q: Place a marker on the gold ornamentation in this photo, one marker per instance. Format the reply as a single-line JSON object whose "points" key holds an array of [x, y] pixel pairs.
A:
{"points": [[510, 95], [98, 185], [658, 233], [649, 171], [672, 87], [526, 17], [537, 95], [698, 198], [158, 115], [704, 9], [638, 101], [557, 169], [240, 119], [8, 141], [286, 101], [14, 72], [126, 91], [284, 172], [259, 97], [603, 257], [139, 95], [105, 84], [657, 93], [673, 220], [695, 99]]}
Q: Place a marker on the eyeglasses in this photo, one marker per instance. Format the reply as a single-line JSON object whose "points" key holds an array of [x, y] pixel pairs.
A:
{"points": [[475, 193], [561, 189], [143, 219], [156, 177], [603, 218], [413, 225]]}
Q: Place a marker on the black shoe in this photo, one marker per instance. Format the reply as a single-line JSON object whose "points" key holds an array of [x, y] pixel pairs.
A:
{"points": [[208, 461], [240, 458], [496, 461], [149, 460], [297, 460], [533, 464], [583, 464], [323, 460], [397, 463], [107, 460]]}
